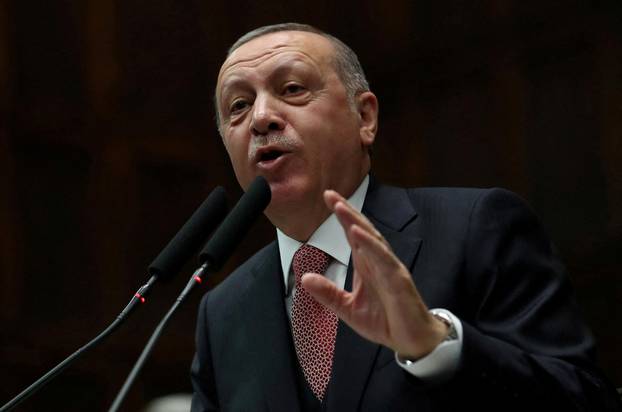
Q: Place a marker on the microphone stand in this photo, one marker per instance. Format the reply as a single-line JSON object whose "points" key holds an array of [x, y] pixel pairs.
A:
{"points": [[139, 297], [167, 263], [129, 381], [214, 254]]}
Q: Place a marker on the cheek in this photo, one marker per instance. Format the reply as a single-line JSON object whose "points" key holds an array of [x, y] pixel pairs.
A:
{"points": [[338, 135], [237, 152]]}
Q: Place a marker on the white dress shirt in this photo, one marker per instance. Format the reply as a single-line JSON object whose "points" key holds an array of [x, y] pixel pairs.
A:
{"points": [[330, 237]]}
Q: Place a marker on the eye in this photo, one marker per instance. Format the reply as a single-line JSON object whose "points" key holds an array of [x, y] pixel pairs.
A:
{"points": [[293, 88], [237, 106]]}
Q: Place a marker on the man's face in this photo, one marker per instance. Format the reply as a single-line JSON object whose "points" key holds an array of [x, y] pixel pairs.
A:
{"points": [[285, 115]]}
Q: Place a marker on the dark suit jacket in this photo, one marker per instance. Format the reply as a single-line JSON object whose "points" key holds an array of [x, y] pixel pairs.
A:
{"points": [[479, 253]]}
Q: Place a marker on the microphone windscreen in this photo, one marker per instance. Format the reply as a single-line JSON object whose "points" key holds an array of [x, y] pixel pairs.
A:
{"points": [[191, 236], [236, 224]]}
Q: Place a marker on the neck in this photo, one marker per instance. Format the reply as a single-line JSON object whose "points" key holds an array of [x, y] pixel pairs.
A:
{"points": [[299, 220], [299, 223]]}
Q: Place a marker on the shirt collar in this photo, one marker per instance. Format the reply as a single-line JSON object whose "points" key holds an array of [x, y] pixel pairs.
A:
{"points": [[329, 237]]}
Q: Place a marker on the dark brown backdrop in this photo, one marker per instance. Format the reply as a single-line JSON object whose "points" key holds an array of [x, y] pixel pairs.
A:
{"points": [[107, 144]]}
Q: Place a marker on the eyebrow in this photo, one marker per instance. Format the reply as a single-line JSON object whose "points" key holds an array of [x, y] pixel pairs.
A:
{"points": [[281, 69], [230, 83]]}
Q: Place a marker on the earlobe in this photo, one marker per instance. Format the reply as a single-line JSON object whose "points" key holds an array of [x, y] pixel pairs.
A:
{"points": [[368, 113]]}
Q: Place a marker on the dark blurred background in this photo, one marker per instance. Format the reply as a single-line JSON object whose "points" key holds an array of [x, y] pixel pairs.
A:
{"points": [[107, 144]]}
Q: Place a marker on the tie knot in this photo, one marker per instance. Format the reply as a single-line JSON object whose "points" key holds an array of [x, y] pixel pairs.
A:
{"points": [[309, 259]]}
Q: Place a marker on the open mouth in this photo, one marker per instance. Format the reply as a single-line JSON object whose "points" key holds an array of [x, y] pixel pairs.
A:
{"points": [[270, 155]]}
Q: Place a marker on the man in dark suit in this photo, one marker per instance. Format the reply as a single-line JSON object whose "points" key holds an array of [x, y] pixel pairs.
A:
{"points": [[446, 298]]}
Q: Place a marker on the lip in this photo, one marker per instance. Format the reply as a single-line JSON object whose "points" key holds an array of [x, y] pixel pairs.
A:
{"points": [[271, 163]]}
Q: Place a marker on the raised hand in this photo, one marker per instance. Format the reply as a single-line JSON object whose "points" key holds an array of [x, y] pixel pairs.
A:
{"points": [[384, 305]]}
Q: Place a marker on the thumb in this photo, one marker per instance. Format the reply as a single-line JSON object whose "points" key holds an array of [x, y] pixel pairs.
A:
{"points": [[326, 293]]}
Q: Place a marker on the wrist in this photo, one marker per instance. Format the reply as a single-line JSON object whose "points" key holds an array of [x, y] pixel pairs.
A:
{"points": [[442, 330]]}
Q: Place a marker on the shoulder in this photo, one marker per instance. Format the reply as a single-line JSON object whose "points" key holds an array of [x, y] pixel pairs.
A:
{"points": [[434, 208], [459, 195], [463, 200], [435, 201]]}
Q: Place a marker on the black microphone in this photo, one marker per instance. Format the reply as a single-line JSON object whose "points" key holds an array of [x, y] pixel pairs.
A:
{"points": [[166, 264], [238, 222], [192, 234], [214, 255]]}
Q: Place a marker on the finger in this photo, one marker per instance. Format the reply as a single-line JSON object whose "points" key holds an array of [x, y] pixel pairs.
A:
{"points": [[348, 216], [364, 274], [385, 277], [369, 242], [328, 294], [331, 197], [369, 255], [377, 264], [384, 265]]}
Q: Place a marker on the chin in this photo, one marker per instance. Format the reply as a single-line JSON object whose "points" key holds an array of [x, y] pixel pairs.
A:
{"points": [[289, 196], [285, 195]]}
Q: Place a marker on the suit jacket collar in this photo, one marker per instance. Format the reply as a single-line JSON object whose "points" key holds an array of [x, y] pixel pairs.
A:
{"points": [[388, 205], [268, 333], [391, 212], [267, 326]]}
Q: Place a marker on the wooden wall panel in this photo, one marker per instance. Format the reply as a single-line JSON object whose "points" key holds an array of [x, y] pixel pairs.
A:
{"points": [[607, 82], [101, 59], [49, 81], [10, 286], [107, 144], [51, 211], [563, 128]]}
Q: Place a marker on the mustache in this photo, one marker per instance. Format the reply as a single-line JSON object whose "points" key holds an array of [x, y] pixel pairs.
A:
{"points": [[282, 141]]}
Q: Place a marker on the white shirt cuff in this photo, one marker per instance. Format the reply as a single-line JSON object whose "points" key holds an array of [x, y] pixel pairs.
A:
{"points": [[440, 364]]}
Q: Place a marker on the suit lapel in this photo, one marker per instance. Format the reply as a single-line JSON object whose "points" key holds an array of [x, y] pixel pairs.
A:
{"points": [[391, 212], [268, 334]]}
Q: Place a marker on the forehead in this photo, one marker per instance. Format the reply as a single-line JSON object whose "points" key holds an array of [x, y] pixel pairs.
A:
{"points": [[311, 47]]}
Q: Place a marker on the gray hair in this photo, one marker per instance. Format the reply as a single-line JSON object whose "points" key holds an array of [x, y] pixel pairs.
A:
{"points": [[346, 62]]}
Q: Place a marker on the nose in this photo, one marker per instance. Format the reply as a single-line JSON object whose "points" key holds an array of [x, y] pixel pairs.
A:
{"points": [[266, 116]]}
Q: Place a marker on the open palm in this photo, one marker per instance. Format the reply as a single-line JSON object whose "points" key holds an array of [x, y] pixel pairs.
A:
{"points": [[384, 305]]}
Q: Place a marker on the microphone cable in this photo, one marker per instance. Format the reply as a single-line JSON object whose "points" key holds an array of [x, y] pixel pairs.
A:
{"points": [[165, 265]]}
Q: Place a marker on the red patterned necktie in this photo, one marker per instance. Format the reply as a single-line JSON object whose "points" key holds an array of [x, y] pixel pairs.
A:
{"points": [[314, 326]]}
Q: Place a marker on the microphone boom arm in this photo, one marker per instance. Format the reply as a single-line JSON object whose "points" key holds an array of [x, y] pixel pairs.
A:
{"points": [[139, 297]]}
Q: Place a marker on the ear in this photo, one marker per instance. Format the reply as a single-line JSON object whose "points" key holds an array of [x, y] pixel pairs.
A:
{"points": [[367, 106]]}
